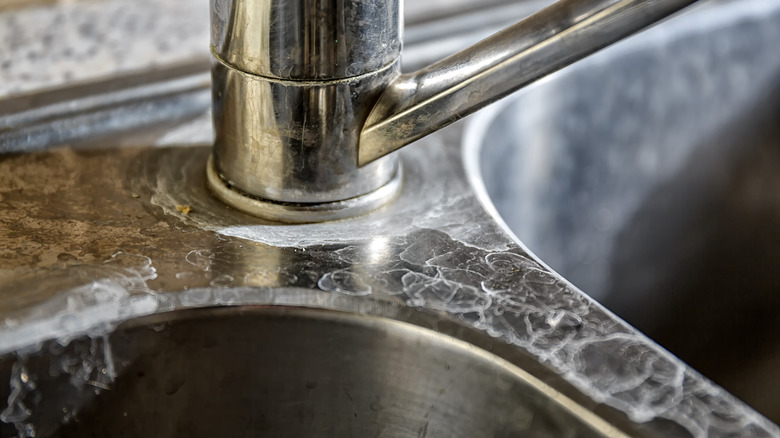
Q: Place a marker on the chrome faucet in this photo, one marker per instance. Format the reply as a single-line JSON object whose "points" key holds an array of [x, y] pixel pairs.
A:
{"points": [[308, 99]]}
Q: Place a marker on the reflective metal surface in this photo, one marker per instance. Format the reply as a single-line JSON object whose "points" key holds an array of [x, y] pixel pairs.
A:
{"points": [[153, 100], [419, 103], [290, 141], [306, 40], [648, 176], [284, 371], [303, 213], [93, 238], [83, 86], [293, 82], [294, 85], [101, 239]]}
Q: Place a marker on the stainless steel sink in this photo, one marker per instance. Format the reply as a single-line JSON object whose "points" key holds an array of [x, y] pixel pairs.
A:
{"points": [[282, 371], [649, 176], [133, 302]]}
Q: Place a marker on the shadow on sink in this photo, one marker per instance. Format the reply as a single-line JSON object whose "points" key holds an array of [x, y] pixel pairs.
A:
{"points": [[649, 176]]}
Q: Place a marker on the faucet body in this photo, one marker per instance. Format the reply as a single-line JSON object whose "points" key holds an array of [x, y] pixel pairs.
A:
{"points": [[309, 100], [293, 83]]}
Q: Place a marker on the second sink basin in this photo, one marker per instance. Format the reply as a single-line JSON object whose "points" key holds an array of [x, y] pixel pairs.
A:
{"points": [[649, 176]]}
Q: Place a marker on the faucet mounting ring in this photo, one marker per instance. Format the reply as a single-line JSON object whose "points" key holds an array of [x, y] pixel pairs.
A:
{"points": [[301, 212]]}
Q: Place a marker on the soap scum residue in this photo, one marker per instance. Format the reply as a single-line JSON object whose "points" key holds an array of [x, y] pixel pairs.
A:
{"points": [[90, 310], [430, 198], [442, 255], [575, 342]]}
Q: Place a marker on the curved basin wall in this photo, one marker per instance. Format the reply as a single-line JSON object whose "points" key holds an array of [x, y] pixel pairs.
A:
{"points": [[279, 371], [649, 176]]}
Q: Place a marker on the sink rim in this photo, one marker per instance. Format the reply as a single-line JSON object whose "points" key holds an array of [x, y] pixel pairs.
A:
{"points": [[413, 328], [478, 132], [359, 313]]}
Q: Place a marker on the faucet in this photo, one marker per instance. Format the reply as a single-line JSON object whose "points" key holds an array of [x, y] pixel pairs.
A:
{"points": [[309, 101]]}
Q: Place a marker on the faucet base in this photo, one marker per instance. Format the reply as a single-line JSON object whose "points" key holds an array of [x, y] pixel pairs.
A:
{"points": [[299, 213]]}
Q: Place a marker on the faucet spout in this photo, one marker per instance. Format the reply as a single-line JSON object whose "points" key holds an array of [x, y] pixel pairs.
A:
{"points": [[308, 99], [419, 103]]}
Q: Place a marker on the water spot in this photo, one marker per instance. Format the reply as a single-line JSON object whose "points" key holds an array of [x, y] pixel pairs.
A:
{"points": [[21, 385], [66, 257], [200, 258], [226, 296], [195, 297], [223, 280], [344, 282], [509, 263], [185, 275]]}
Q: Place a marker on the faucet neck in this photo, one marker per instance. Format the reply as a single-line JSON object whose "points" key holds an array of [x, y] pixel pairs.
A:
{"points": [[308, 100], [293, 82], [306, 40]]}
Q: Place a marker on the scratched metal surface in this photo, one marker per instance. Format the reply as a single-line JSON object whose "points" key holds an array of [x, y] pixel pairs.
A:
{"points": [[647, 175], [76, 41], [93, 236], [56, 43]]}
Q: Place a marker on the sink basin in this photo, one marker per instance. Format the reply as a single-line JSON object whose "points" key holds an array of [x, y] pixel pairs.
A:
{"points": [[648, 176], [281, 371], [134, 303]]}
